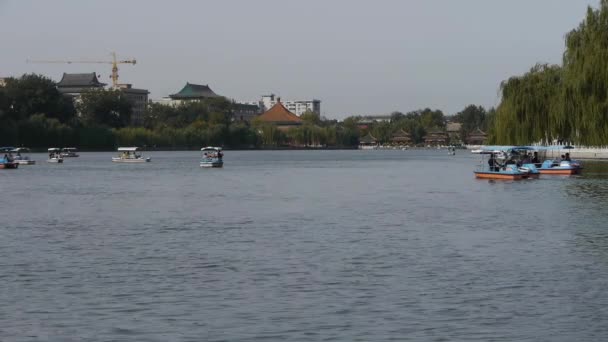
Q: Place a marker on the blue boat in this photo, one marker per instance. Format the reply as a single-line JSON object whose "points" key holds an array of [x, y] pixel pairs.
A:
{"points": [[559, 166], [7, 162], [494, 169], [518, 156]]}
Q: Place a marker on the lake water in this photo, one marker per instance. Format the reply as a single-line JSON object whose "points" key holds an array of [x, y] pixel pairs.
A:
{"points": [[300, 246]]}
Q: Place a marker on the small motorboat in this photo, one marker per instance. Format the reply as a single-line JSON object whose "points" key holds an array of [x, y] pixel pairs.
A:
{"points": [[130, 155], [212, 157], [55, 156], [69, 152], [20, 159]]}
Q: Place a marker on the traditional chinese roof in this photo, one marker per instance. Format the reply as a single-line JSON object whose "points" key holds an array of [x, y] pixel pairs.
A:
{"points": [[88, 80], [478, 133], [368, 139], [194, 91], [401, 136], [280, 115]]}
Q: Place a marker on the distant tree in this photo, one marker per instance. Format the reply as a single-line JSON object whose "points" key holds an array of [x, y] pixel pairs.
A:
{"points": [[34, 94], [311, 117], [432, 119], [396, 116], [105, 107], [471, 118]]}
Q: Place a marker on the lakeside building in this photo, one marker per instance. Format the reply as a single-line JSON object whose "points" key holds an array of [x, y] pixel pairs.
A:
{"points": [[368, 142], [477, 137], [192, 92], [436, 138], [297, 107], [453, 131], [401, 137], [74, 85], [281, 117]]}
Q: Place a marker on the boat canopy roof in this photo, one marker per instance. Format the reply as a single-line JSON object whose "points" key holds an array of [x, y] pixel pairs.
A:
{"points": [[508, 148], [6, 149], [54, 149], [128, 149], [554, 147], [69, 149], [20, 149], [211, 148]]}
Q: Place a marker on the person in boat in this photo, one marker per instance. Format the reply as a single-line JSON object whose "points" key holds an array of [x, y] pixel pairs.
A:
{"points": [[567, 157], [526, 159], [493, 163], [535, 159]]}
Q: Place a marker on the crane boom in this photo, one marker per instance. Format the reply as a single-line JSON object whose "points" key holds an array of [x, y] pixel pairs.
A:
{"points": [[114, 62]]}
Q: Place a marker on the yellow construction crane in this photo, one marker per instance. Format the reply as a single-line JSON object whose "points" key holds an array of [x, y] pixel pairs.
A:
{"points": [[114, 63]]}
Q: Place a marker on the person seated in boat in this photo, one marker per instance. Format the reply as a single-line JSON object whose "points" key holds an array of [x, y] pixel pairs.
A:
{"points": [[526, 159], [567, 157], [535, 159]]}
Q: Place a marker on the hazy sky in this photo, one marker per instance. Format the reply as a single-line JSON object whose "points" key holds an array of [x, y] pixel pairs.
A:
{"points": [[357, 57]]}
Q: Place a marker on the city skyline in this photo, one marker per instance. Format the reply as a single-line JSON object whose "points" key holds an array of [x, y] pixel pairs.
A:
{"points": [[356, 57]]}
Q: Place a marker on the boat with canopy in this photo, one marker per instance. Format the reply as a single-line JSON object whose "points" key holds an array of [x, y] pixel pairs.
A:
{"points": [[130, 155]]}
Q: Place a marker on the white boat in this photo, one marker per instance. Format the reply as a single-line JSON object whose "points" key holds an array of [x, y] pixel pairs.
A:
{"points": [[21, 159], [55, 156], [69, 152], [212, 157], [129, 155]]}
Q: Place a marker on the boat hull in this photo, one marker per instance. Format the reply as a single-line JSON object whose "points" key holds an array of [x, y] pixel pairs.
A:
{"points": [[498, 175], [211, 164], [131, 161], [55, 161], [9, 166], [25, 162], [558, 171]]}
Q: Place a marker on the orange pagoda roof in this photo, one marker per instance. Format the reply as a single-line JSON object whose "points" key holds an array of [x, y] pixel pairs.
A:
{"points": [[278, 114]]}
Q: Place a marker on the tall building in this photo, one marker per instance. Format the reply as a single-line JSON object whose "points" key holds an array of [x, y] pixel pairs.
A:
{"points": [[73, 85], [139, 102], [297, 107]]}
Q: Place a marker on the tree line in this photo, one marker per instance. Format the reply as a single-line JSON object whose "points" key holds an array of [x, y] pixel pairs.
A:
{"points": [[34, 113], [567, 102]]}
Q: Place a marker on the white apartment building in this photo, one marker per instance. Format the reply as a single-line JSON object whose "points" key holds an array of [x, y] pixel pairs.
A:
{"points": [[298, 107]]}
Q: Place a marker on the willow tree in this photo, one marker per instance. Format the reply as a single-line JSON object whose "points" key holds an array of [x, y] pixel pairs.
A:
{"points": [[568, 102], [528, 107], [585, 87]]}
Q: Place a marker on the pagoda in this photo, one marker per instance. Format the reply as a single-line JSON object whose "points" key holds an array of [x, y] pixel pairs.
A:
{"points": [[401, 137], [477, 137], [281, 117], [368, 142], [75, 84], [436, 138], [194, 92]]}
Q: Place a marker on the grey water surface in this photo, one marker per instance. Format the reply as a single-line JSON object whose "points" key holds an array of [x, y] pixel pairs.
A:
{"points": [[300, 246]]}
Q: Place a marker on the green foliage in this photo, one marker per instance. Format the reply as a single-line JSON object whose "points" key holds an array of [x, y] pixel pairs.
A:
{"points": [[568, 102], [471, 118], [105, 107], [33, 94], [311, 117]]}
